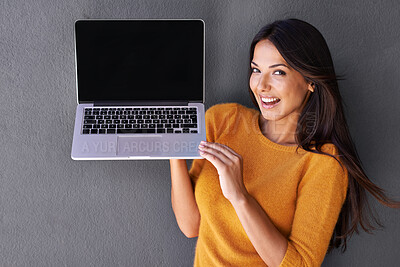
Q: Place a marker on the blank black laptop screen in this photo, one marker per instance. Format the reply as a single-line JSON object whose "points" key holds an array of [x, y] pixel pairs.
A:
{"points": [[123, 60]]}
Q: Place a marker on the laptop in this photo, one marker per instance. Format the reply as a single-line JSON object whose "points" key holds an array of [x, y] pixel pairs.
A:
{"points": [[140, 89]]}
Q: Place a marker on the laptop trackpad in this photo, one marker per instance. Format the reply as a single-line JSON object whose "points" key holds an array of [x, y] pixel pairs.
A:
{"points": [[141, 146]]}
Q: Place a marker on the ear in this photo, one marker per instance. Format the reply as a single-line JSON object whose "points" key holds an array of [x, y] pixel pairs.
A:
{"points": [[311, 87]]}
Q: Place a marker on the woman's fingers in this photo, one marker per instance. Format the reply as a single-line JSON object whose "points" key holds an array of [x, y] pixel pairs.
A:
{"points": [[229, 167], [220, 154], [215, 160], [212, 149], [224, 149], [231, 150]]}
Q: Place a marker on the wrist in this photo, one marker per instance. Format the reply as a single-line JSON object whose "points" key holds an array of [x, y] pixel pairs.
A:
{"points": [[240, 198], [177, 160]]}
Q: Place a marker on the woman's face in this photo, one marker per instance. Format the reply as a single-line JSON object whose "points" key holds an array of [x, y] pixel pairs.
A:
{"points": [[280, 91]]}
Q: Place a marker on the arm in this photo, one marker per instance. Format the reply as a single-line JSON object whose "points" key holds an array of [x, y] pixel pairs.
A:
{"points": [[182, 191], [182, 197], [269, 243], [320, 196]]}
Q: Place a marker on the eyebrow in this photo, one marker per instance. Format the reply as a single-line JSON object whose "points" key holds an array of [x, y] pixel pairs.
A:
{"points": [[272, 66]]}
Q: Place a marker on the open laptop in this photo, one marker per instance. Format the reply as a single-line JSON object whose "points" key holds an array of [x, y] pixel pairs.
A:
{"points": [[140, 89]]}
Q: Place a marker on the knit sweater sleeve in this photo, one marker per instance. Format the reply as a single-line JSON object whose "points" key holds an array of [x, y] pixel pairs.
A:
{"points": [[320, 196], [218, 120]]}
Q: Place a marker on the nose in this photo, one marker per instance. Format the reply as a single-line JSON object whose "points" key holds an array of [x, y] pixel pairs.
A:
{"points": [[263, 83]]}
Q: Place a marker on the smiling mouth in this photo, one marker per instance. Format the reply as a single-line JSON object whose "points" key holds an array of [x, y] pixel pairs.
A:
{"points": [[269, 102]]}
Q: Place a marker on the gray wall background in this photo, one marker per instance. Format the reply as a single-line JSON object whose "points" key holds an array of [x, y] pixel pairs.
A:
{"points": [[58, 212]]}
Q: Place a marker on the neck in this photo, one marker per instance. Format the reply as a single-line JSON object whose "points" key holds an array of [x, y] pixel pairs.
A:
{"points": [[283, 133]]}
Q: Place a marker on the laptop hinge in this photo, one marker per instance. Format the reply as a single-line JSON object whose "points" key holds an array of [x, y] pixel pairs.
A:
{"points": [[140, 103]]}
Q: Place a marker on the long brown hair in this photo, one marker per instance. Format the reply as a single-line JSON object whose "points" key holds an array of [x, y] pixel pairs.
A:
{"points": [[305, 50]]}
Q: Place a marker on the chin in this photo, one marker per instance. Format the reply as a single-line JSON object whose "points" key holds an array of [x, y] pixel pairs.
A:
{"points": [[270, 115]]}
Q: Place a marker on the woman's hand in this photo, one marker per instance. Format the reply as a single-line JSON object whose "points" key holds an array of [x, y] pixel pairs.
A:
{"points": [[229, 165]]}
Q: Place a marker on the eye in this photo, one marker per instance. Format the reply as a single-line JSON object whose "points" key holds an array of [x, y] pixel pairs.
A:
{"points": [[280, 72], [255, 70]]}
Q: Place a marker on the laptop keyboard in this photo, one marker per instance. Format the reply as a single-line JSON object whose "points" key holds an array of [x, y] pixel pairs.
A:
{"points": [[141, 120]]}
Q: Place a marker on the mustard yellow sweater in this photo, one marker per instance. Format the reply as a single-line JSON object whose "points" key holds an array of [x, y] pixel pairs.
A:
{"points": [[302, 193]]}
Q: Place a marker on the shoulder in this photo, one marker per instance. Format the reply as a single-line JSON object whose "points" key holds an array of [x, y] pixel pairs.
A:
{"points": [[224, 110], [221, 112], [222, 119], [326, 170], [330, 149], [322, 161]]}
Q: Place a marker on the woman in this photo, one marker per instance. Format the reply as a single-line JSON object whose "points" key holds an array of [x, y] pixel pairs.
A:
{"points": [[280, 185]]}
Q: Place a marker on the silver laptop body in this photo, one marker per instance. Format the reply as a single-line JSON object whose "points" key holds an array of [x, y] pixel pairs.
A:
{"points": [[140, 89]]}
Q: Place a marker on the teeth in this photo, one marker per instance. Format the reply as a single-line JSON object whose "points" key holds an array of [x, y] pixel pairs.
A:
{"points": [[268, 99]]}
